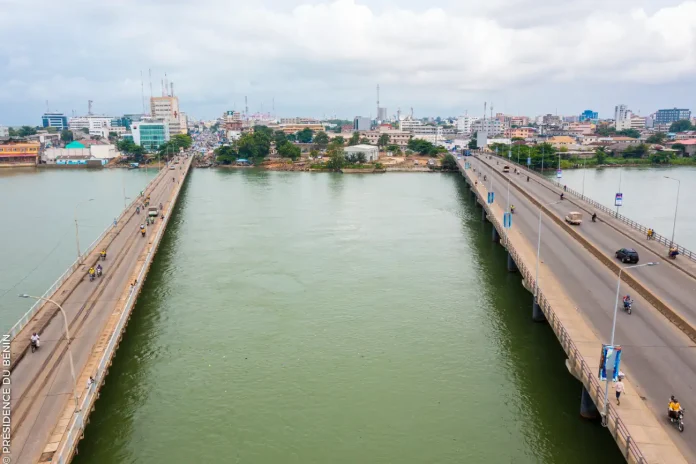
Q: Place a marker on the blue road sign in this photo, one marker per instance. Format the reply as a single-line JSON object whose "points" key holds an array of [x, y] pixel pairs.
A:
{"points": [[491, 197]]}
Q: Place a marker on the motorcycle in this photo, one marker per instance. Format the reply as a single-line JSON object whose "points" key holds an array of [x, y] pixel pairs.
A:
{"points": [[679, 420], [594, 218], [562, 196], [103, 257], [99, 272], [627, 305], [672, 254], [35, 345], [91, 277], [142, 231]]}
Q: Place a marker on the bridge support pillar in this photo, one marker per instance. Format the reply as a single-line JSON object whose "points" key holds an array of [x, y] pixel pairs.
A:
{"points": [[588, 410], [511, 264], [495, 235], [483, 213], [537, 313]]}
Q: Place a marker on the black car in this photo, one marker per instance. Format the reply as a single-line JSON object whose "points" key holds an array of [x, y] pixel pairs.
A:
{"points": [[627, 255]]}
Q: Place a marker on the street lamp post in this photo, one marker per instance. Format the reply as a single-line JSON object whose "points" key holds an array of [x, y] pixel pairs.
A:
{"points": [[77, 229], [674, 225], [613, 326], [584, 160], [536, 276], [67, 337]]}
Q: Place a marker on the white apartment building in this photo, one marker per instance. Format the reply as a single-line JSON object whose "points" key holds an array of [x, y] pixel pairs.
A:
{"points": [[4, 131], [637, 123], [464, 124], [407, 124], [622, 117], [104, 131], [298, 120], [490, 126], [95, 124]]}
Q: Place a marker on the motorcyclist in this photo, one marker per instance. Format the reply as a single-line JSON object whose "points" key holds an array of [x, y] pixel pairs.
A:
{"points": [[91, 273], [103, 254], [137, 210], [512, 208], [626, 301], [674, 408], [650, 233], [35, 341], [562, 195], [594, 217], [99, 270], [673, 252]]}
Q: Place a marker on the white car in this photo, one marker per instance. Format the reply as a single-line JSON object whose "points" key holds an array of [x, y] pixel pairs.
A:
{"points": [[459, 157]]}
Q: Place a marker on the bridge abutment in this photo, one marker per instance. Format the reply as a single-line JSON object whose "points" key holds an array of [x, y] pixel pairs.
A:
{"points": [[588, 410], [495, 235]]}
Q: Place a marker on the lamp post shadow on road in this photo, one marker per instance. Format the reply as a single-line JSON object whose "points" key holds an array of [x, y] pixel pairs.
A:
{"points": [[613, 331], [67, 337], [537, 315]]}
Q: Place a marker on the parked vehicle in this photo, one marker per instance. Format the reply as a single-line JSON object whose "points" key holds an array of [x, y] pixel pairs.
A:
{"points": [[627, 255], [506, 168], [574, 217]]}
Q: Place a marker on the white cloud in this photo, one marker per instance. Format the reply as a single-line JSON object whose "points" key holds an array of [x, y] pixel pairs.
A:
{"points": [[327, 56]]}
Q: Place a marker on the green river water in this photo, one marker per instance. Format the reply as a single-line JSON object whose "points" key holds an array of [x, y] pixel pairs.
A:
{"points": [[321, 318]]}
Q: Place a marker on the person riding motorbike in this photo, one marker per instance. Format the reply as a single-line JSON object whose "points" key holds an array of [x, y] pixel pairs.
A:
{"points": [[512, 209], [627, 301], [137, 210], [99, 270], [562, 195], [35, 342], [103, 255], [91, 273], [673, 252], [650, 233], [594, 217], [673, 408]]}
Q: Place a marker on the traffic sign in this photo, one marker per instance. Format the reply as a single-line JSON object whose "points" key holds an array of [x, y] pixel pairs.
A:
{"points": [[618, 201]]}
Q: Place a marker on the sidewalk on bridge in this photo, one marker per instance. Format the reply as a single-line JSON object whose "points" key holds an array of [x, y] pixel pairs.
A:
{"points": [[645, 429]]}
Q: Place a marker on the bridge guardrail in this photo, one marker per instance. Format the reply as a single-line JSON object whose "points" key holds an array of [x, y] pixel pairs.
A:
{"points": [[616, 426], [635, 225], [79, 420], [31, 312]]}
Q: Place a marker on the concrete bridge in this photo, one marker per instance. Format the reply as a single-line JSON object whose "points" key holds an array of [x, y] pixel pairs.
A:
{"points": [[577, 280], [53, 390]]}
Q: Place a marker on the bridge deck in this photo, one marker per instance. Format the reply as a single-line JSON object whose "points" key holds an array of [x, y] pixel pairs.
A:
{"points": [[656, 358], [42, 386]]}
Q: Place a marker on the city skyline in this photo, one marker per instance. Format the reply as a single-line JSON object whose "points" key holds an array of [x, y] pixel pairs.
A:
{"points": [[323, 58]]}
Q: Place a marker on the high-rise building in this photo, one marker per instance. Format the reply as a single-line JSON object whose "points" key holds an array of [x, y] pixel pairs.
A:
{"points": [[464, 124], [381, 114], [490, 126], [622, 117], [167, 109], [93, 124], [57, 120], [672, 115], [589, 115], [361, 124], [150, 134]]}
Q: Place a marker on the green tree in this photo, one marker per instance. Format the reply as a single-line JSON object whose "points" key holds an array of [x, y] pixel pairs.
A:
{"points": [[267, 131], [254, 146], [128, 147], [680, 126], [383, 140], [85, 130], [226, 154], [473, 143], [423, 147], [113, 136], [51, 129], [681, 147], [289, 150], [279, 138], [657, 137], [182, 140], [601, 155], [636, 151], [313, 153], [449, 163], [291, 137], [633, 133], [305, 135], [605, 131], [321, 140], [66, 135], [354, 139], [338, 140], [336, 158], [12, 132]]}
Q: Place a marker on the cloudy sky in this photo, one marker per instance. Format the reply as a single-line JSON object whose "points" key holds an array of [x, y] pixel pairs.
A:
{"points": [[316, 58]]}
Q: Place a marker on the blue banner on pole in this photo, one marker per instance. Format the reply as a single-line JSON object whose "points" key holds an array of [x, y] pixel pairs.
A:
{"points": [[491, 197], [618, 201], [609, 362], [467, 166], [507, 220], [529, 161]]}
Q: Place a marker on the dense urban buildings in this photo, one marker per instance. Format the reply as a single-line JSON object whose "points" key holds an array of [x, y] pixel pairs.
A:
{"points": [[57, 120], [588, 115], [361, 124], [19, 153], [150, 134], [672, 115]]}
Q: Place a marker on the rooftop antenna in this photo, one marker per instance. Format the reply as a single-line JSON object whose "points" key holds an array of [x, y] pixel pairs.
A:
{"points": [[246, 107], [142, 90], [411, 112], [166, 86], [162, 86], [150, 71], [89, 107], [491, 110], [398, 114]]}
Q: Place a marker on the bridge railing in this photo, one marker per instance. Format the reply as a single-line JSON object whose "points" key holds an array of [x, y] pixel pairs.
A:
{"points": [[591, 382], [31, 312], [77, 425], [633, 224]]}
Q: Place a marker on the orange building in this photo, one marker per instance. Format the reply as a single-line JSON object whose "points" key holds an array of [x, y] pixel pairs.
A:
{"points": [[521, 132], [13, 154]]}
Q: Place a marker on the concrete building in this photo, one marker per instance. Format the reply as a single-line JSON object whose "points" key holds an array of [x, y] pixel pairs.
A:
{"points": [[57, 120], [492, 127], [669, 116], [408, 124], [94, 124], [371, 151], [561, 141], [396, 137], [4, 132], [232, 121], [381, 114], [294, 128], [14, 154], [519, 121], [552, 120], [77, 150], [298, 120], [622, 117], [464, 124], [150, 134], [361, 124], [582, 128], [637, 123], [166, 108], [520, 132]]}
